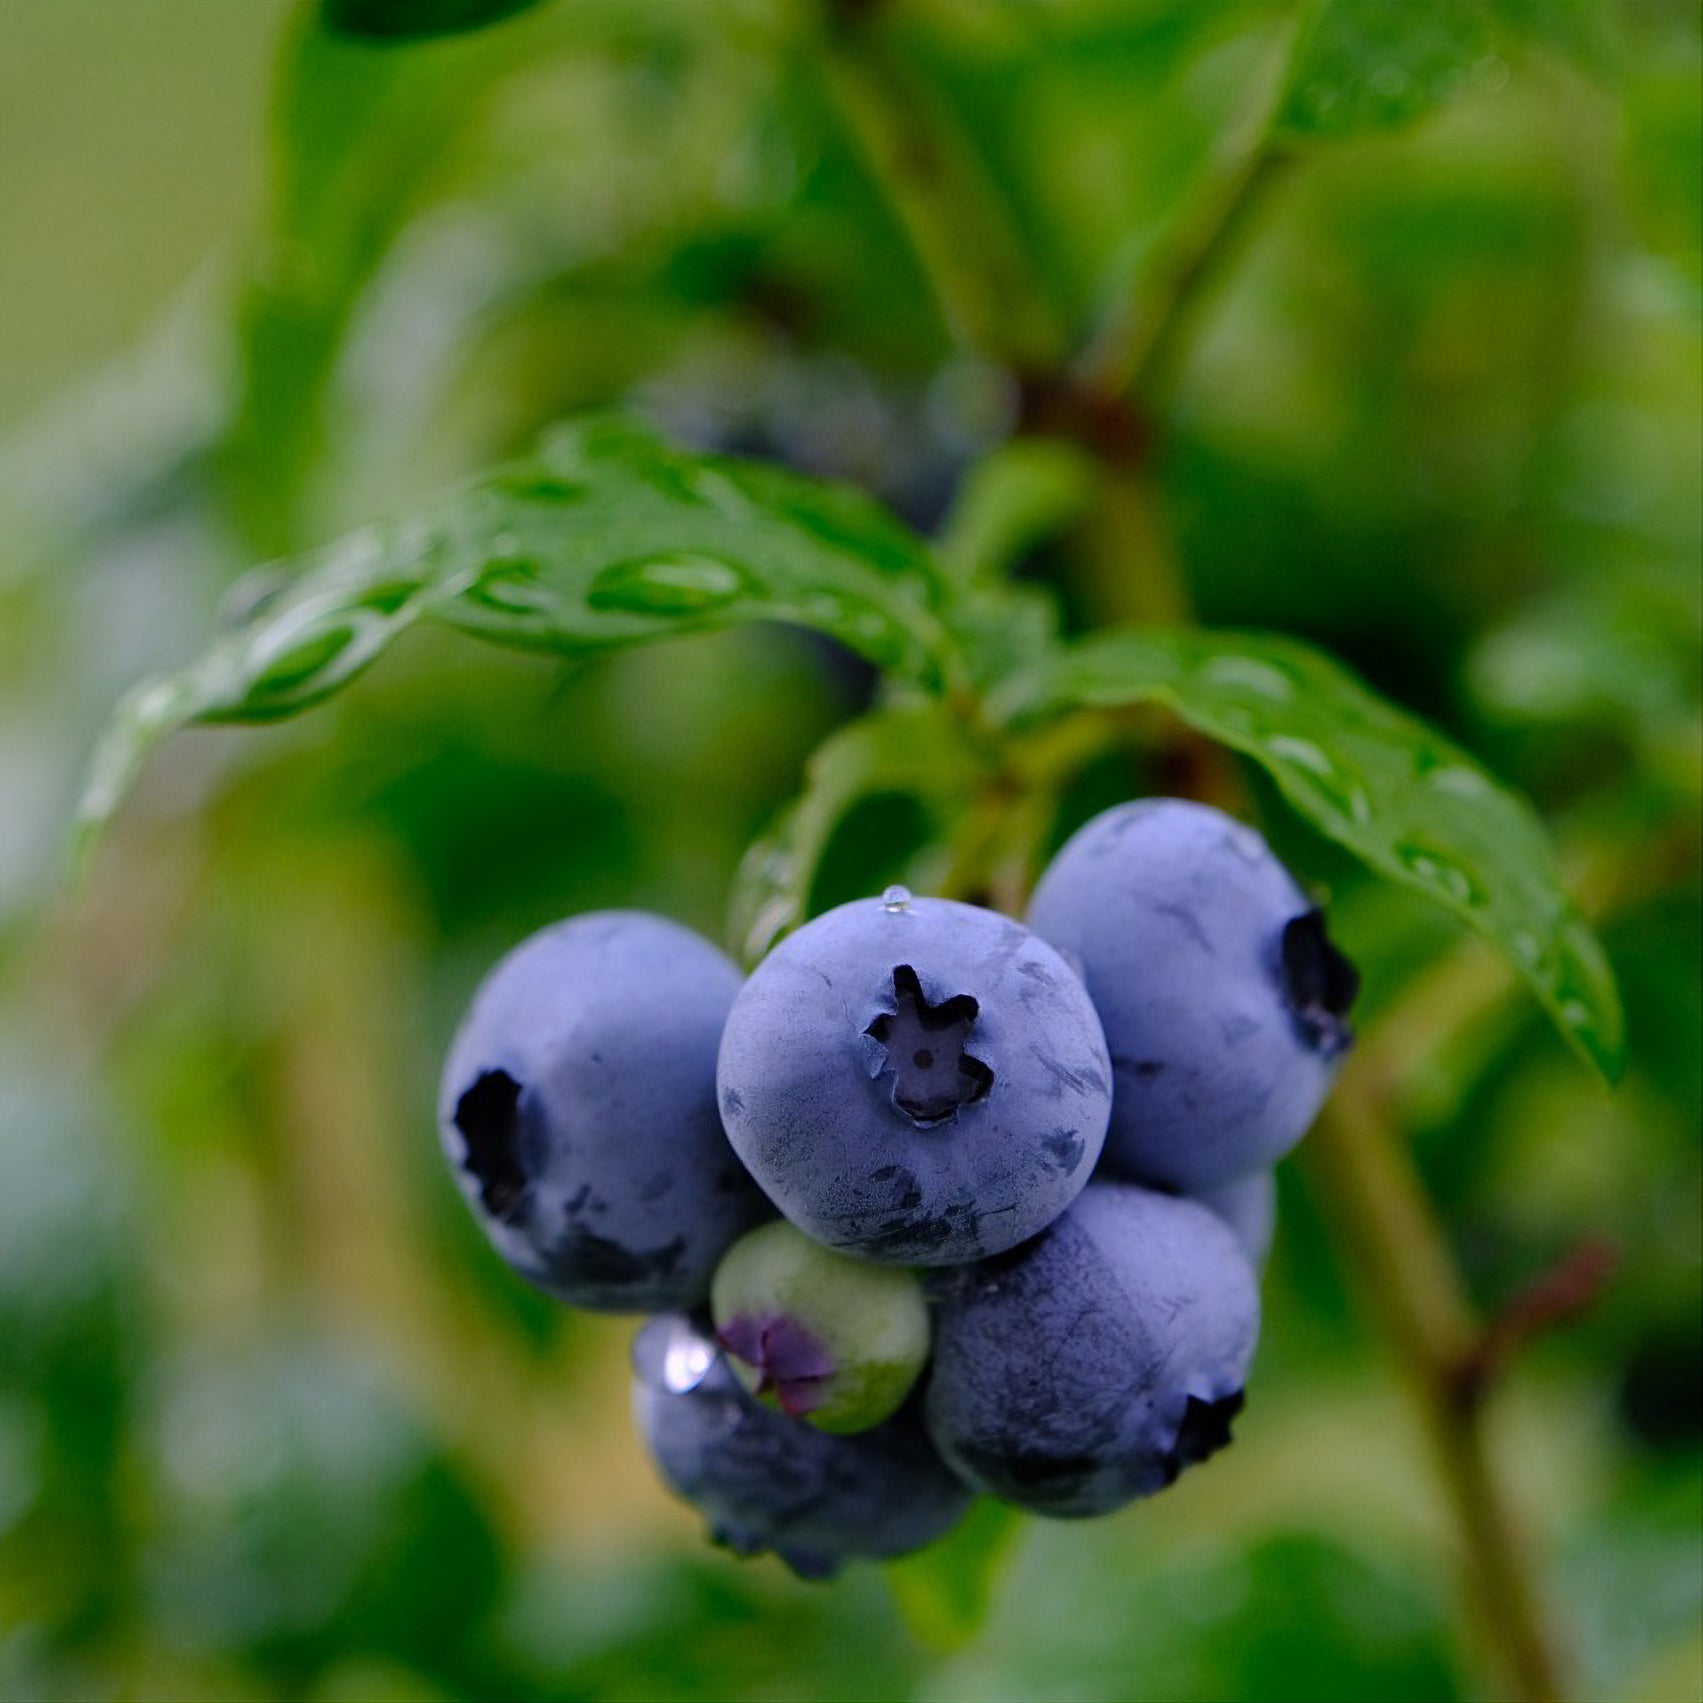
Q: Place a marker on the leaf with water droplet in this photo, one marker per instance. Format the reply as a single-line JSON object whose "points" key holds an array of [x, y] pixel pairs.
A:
{"points": [[1365, 65], [1376, 780], [669, 585], [414, 20], [606, 537]]}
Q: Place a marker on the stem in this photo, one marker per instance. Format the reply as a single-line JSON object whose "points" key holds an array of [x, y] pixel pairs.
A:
{"points": [[967, 247], [1416, 1292], [997, 853], [1133, 573], [1137, 349], [1142, 354], [958, 225], [1371, 1180]]}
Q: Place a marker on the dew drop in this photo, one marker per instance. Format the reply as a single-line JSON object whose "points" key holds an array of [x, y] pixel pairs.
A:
{"points": [[667, 585], [822, 608], [1265, 679], [1302, 752], [1491, 74], [1458, 782], [721, 492], [510, 586], [252, 595], [1576, 1014], [668, 1354], [1442, 873], [157, 700], [867, 624], [1527, 948], [896, 900], [308, 663]]}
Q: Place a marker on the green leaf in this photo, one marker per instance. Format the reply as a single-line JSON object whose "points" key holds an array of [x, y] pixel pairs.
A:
{"points": [[606, 537], [1582, 31], [1014, 498], [414, 20], [945, 1591], [357, 137], [1365, 65], [916, 749], [1392, 790]]}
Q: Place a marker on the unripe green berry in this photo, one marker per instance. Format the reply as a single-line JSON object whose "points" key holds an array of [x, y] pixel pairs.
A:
{"points": [[832, 1340]]}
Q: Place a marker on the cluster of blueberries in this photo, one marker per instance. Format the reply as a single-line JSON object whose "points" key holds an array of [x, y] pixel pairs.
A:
{"points": [[934, 1202]]}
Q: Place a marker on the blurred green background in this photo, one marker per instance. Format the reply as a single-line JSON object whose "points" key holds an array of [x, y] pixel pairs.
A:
{"points": [[273, 1421]]}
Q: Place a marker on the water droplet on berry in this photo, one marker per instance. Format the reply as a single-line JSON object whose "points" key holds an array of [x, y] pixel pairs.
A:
{"points": [[896, 900], [668, 1354]]}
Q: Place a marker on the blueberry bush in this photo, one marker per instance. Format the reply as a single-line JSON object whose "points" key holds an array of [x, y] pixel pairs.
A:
{"points": [[708, 519]]}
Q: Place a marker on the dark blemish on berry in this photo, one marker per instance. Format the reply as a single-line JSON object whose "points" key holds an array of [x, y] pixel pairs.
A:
{"points": [[907, 1193], [1084, 1081], [597, 1259], [1064, 1149]]}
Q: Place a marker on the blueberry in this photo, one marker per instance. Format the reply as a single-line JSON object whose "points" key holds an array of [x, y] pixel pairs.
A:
{"points": [[1092, 1366], [1249, 1206], [1224, 1001], [833, 1340], [916, 1080], [764, 1481], [578, 1113]]}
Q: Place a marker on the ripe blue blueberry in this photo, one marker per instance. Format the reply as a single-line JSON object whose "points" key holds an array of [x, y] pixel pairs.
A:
{"points": [[1094, 1365], [915, 1080], [767, 1482], [1223, 1000], [578, 1113], [1249, 1206]]}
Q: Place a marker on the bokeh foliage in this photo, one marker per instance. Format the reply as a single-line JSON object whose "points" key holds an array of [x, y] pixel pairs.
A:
{"points": [[273, 1423]]}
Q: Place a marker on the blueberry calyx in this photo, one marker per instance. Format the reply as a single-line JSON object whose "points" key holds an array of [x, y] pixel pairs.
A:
{"points": [[790, 1363], [488, 1117], [1205, 1429], [933, 1074], [1319, 983]]}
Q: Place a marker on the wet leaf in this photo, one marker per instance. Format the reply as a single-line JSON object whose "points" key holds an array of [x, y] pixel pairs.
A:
{"points": [[415, 20], [605, 538], [357, 139], [1368, 65], [1016, 497], [1378, 781]]}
